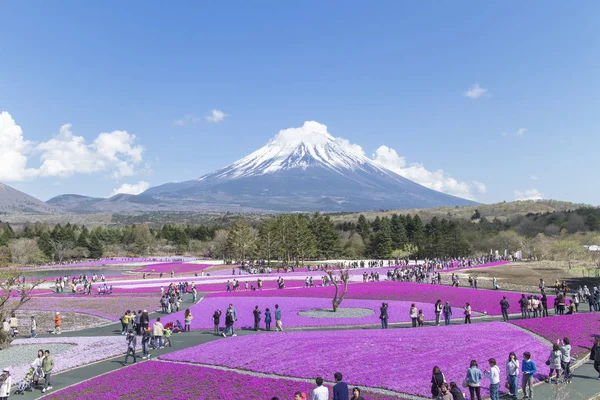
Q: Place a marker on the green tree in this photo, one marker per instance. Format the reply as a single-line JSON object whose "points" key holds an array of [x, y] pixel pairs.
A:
{"points": [[364, 229], [95, 247], [327, 238], [240, 241], [399, 237]]}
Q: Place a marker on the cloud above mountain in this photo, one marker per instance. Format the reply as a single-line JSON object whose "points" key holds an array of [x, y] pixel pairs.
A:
{"points": [[115, 153]]}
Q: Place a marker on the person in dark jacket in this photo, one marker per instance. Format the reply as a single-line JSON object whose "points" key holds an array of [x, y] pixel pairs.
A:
{"points": [[144, 320], [504, 307], [340, 389], [356, 394], [595, 356], [456, 392], [437, 379], [383, 315], [256, 313]]}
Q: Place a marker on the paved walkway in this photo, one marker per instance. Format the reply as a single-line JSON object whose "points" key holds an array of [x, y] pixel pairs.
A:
{"points": [[584, 385]]}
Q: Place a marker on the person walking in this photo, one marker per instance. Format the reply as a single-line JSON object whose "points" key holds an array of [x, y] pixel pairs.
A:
{"points": [[131, 346], [413, 313], [383, 315], [33, 327], [320, 392], [554, 362], [467, 313], [512, 375], [504, 306], [187, 320], [268, 319], [57, 323], [528, 368], [47, 367], [447, 313], [340, 389], [473, 380], [438, 311], [494, 376], [278, 324], [146, 337], [256, 313]]}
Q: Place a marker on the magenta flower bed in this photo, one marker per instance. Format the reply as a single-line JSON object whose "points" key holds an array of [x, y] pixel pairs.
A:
{"points": [[396, 359], [398, 312], [108, 307], [201, 287], [156, 380], [480, 300], [177, 267], [581, 329]]}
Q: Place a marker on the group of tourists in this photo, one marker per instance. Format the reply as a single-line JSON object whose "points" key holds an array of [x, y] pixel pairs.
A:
{"points": [[41, 368], [340, 390]]}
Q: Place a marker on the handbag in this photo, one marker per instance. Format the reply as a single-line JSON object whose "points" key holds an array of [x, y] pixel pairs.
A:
{"points": [[465, 383], [507, 385], [547, 362]]}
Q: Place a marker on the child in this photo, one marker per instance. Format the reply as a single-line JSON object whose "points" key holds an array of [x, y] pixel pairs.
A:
{"points": [[420, 318]]}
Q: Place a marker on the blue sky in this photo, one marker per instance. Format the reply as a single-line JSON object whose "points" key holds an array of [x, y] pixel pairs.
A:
{"points": [[388, 74]]}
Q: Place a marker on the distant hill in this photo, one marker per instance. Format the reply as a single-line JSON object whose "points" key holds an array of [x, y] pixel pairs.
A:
{"points": [[502, 211], [13, 201]]}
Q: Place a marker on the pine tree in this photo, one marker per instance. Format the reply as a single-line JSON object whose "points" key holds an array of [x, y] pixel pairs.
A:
{"points": [[327, 238], [364, 229], [399, 237], [82, 240], [95, 247]]}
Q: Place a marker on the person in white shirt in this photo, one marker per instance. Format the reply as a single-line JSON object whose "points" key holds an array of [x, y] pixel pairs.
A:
{"points": [[494, 376], [320, 392]]}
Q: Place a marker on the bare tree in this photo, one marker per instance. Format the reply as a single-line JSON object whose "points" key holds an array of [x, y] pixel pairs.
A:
{"points": [[344, 278], [60, 248], [13, 294]]}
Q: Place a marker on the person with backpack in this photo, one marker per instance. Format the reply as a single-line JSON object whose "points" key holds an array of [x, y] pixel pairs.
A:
{"points": [[504, 306], [131, 346]]}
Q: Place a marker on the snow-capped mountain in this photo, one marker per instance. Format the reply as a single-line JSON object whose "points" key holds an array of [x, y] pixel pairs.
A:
{"points": [[303, 169]]}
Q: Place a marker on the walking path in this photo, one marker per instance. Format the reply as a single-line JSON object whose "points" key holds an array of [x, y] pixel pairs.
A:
{"points": [[584, 384]]}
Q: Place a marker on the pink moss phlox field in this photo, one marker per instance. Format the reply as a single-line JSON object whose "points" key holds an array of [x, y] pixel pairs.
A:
{"points": [[107, 306], [581, 329], [201, 286], [396, 359], [177, 267], [290, 307], [156, 380], [480, 300], [86, 350]]}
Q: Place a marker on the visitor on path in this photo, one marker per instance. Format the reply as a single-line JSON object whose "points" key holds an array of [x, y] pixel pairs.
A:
{"points": [[529, 369], [447, 313], [320, 392], [146, 336], [467, 309], [495, 283], [144, 320], [131, 346], [437, 380], [544, 302], [340, 389], [268, 319], [33, 327], [125, 322], [158, 332], [167, 335], [494, 376], [565, 349], [194, 294], [383, 315], [554, 363], [5, 384], [278, 324], [438, 311], [413, 313], [36, 365], [187, 320], [57, 323], [456, 392], [256, 313], [420, 318], [14, 325], [47, 367], [523, 302], [216, 317], [473, 380], [229, 320], [504, 306], [595, 355], [356, 394], [512, 375], [231, 310]]}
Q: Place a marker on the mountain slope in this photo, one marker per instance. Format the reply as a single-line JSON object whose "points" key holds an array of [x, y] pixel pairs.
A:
{"points": [[13, 201], [304, 169]]}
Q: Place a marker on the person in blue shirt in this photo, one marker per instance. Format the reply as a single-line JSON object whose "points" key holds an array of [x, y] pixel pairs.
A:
{"points": [[340, 390], [529, 369], [278, 325]]}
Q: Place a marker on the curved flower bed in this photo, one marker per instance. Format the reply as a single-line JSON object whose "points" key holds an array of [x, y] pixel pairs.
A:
{"points": [[290, 307], [177, 267], [481, 300], [394, 359], [85, 350], [155, 380], [581, 329]]}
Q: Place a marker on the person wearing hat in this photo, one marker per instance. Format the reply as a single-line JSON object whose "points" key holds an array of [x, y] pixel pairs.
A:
{"points": [[57, 324], [5, 384]]}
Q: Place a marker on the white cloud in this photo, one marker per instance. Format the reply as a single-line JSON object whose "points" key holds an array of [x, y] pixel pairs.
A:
{"points": [[437, 180], [533, 177], [188, 119], [135, 188], [475, 91], [66, 154], [521, 131], [529, 194], [216, 116]]}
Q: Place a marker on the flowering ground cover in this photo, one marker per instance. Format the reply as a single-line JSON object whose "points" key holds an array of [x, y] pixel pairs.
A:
{"points": [[396, 359], [107, 307], [581, 329], [480, 300], [84, 350], [154, 380], [291, 307], [177, 267], [202, 285]]}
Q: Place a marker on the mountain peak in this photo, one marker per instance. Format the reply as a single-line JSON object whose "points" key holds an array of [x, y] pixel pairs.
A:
{"points": [[311, 133]]}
